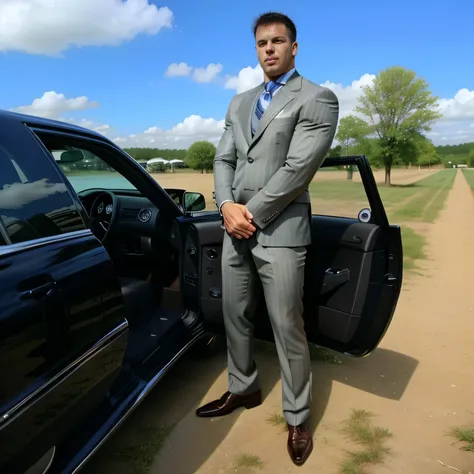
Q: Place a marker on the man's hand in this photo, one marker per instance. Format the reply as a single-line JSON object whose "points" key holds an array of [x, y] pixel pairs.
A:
{"points": [[237, 220]]}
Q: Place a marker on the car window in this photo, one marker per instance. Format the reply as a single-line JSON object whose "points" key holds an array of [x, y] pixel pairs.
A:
{"points": [[34, 201], [85, 170], [338, 192]]}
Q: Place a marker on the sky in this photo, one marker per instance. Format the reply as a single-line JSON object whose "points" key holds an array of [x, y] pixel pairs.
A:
{"points": [[161, 74]]}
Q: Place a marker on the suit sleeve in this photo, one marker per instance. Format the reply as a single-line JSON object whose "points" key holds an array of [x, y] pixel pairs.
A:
{"points": [[225, 162], [312, 138]]}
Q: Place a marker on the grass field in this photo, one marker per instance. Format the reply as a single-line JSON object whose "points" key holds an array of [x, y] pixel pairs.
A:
{"points": [[418, 201], [469, 176]]}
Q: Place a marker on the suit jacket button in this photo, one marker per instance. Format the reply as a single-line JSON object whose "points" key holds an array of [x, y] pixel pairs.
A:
{"points": [[250, 160]]}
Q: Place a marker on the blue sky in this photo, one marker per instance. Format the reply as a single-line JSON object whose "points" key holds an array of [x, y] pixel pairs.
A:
{"points": [[117, 57]]}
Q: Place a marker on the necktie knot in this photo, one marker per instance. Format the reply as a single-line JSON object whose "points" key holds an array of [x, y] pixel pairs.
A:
{"points": [[270, 87]]}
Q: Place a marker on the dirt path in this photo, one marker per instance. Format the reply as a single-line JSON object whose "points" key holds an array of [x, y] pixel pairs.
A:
{"points": [[419, 383]]}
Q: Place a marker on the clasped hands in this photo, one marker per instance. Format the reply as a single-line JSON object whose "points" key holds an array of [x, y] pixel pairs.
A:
{"points": [[238, 220]]}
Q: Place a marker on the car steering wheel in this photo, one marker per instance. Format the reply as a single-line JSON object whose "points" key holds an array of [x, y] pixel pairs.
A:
{"points": [[103, 214]]}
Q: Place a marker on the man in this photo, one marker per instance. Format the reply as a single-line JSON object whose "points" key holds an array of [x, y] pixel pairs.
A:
{"points": [[276, 137]]}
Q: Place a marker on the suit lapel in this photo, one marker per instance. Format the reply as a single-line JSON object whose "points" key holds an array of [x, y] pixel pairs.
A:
{"points": [[284, 96], [273, 109], [246, 111]]}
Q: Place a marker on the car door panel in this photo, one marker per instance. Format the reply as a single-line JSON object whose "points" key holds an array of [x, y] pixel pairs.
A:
{"points": [[60, 351], [345, 316], [352, 281], [201, 274], [62, 328]]}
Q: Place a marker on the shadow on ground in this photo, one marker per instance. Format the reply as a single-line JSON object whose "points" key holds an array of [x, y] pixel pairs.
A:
{"points": [[384, 373]]}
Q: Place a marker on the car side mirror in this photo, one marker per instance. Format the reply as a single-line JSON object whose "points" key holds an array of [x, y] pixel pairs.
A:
{"points": [[193, 202]]}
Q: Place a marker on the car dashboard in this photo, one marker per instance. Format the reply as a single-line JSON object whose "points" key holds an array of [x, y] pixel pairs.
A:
{"points": [[138, 228]]}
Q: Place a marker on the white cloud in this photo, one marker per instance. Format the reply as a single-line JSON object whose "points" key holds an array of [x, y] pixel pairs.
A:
{"points": [[178, 70], [45, 27], [348, 95], [182, 135], [460, 107], [52, 105], [207, 74], [247, 78]]}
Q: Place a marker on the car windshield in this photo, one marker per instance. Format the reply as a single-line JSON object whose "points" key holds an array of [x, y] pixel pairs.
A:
{"points": [[84, 170]]}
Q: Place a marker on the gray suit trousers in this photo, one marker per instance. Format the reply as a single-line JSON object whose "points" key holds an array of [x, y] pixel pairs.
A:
{"points": [[281, 272]]}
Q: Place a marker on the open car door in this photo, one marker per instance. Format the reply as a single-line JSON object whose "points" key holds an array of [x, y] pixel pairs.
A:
{"points": [[354, 265]]}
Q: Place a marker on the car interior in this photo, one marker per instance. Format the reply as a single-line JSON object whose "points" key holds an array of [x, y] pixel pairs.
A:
{"points": [[141, 240]]}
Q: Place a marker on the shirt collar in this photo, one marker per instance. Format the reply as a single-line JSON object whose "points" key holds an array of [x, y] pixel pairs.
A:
{"points": [[283, 79]]}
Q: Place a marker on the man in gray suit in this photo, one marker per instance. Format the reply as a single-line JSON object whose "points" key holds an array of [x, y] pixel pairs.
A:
{"points": [[276, 137]]}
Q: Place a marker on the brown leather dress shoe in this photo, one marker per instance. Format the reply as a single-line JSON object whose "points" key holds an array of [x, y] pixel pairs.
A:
{"points": [[300, 443], [228, 403]]}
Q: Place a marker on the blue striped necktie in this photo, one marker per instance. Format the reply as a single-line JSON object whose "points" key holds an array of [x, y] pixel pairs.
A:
{"points": [[265, 98]]}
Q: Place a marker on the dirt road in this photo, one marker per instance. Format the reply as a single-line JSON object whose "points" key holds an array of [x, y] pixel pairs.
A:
{"points": [[419, 383]]}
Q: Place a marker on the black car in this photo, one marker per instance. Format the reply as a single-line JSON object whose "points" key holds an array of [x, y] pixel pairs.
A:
{"points": [[107, 280]]}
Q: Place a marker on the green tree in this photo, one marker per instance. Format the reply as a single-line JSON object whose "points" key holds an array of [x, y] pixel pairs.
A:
{"points": [[200, 156], [397, 107], [425, 151], [335, 151], [350, 132], [470, 158]]}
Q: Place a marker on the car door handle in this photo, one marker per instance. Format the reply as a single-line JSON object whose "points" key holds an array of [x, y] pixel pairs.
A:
{"points": [[39, 292], [334, 278]]}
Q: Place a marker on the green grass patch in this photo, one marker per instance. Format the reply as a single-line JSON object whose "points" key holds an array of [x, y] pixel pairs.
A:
{"points": [[469, 177], [359, 429], [276, 419], [420, 201], [413, 248], [428, 198], [247, 463], [464, 436], [141, 455]]}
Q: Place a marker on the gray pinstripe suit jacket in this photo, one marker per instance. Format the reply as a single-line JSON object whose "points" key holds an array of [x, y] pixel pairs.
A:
{"points": [[271, 171]]}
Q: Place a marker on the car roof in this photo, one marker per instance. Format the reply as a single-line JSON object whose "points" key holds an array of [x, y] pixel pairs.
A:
{"points": [[34, 121]]}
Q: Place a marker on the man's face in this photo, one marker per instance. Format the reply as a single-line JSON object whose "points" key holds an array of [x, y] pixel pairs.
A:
{"points": [[276, 53]]}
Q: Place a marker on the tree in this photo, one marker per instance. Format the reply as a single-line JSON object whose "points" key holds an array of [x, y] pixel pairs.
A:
{"points": [[335, 151], [397, 107], [200, 156], [351, 131], [426, 153], [470, 158]]}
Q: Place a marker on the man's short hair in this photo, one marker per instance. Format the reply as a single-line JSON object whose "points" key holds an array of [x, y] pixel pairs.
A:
{"points": [[271, 18]]}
